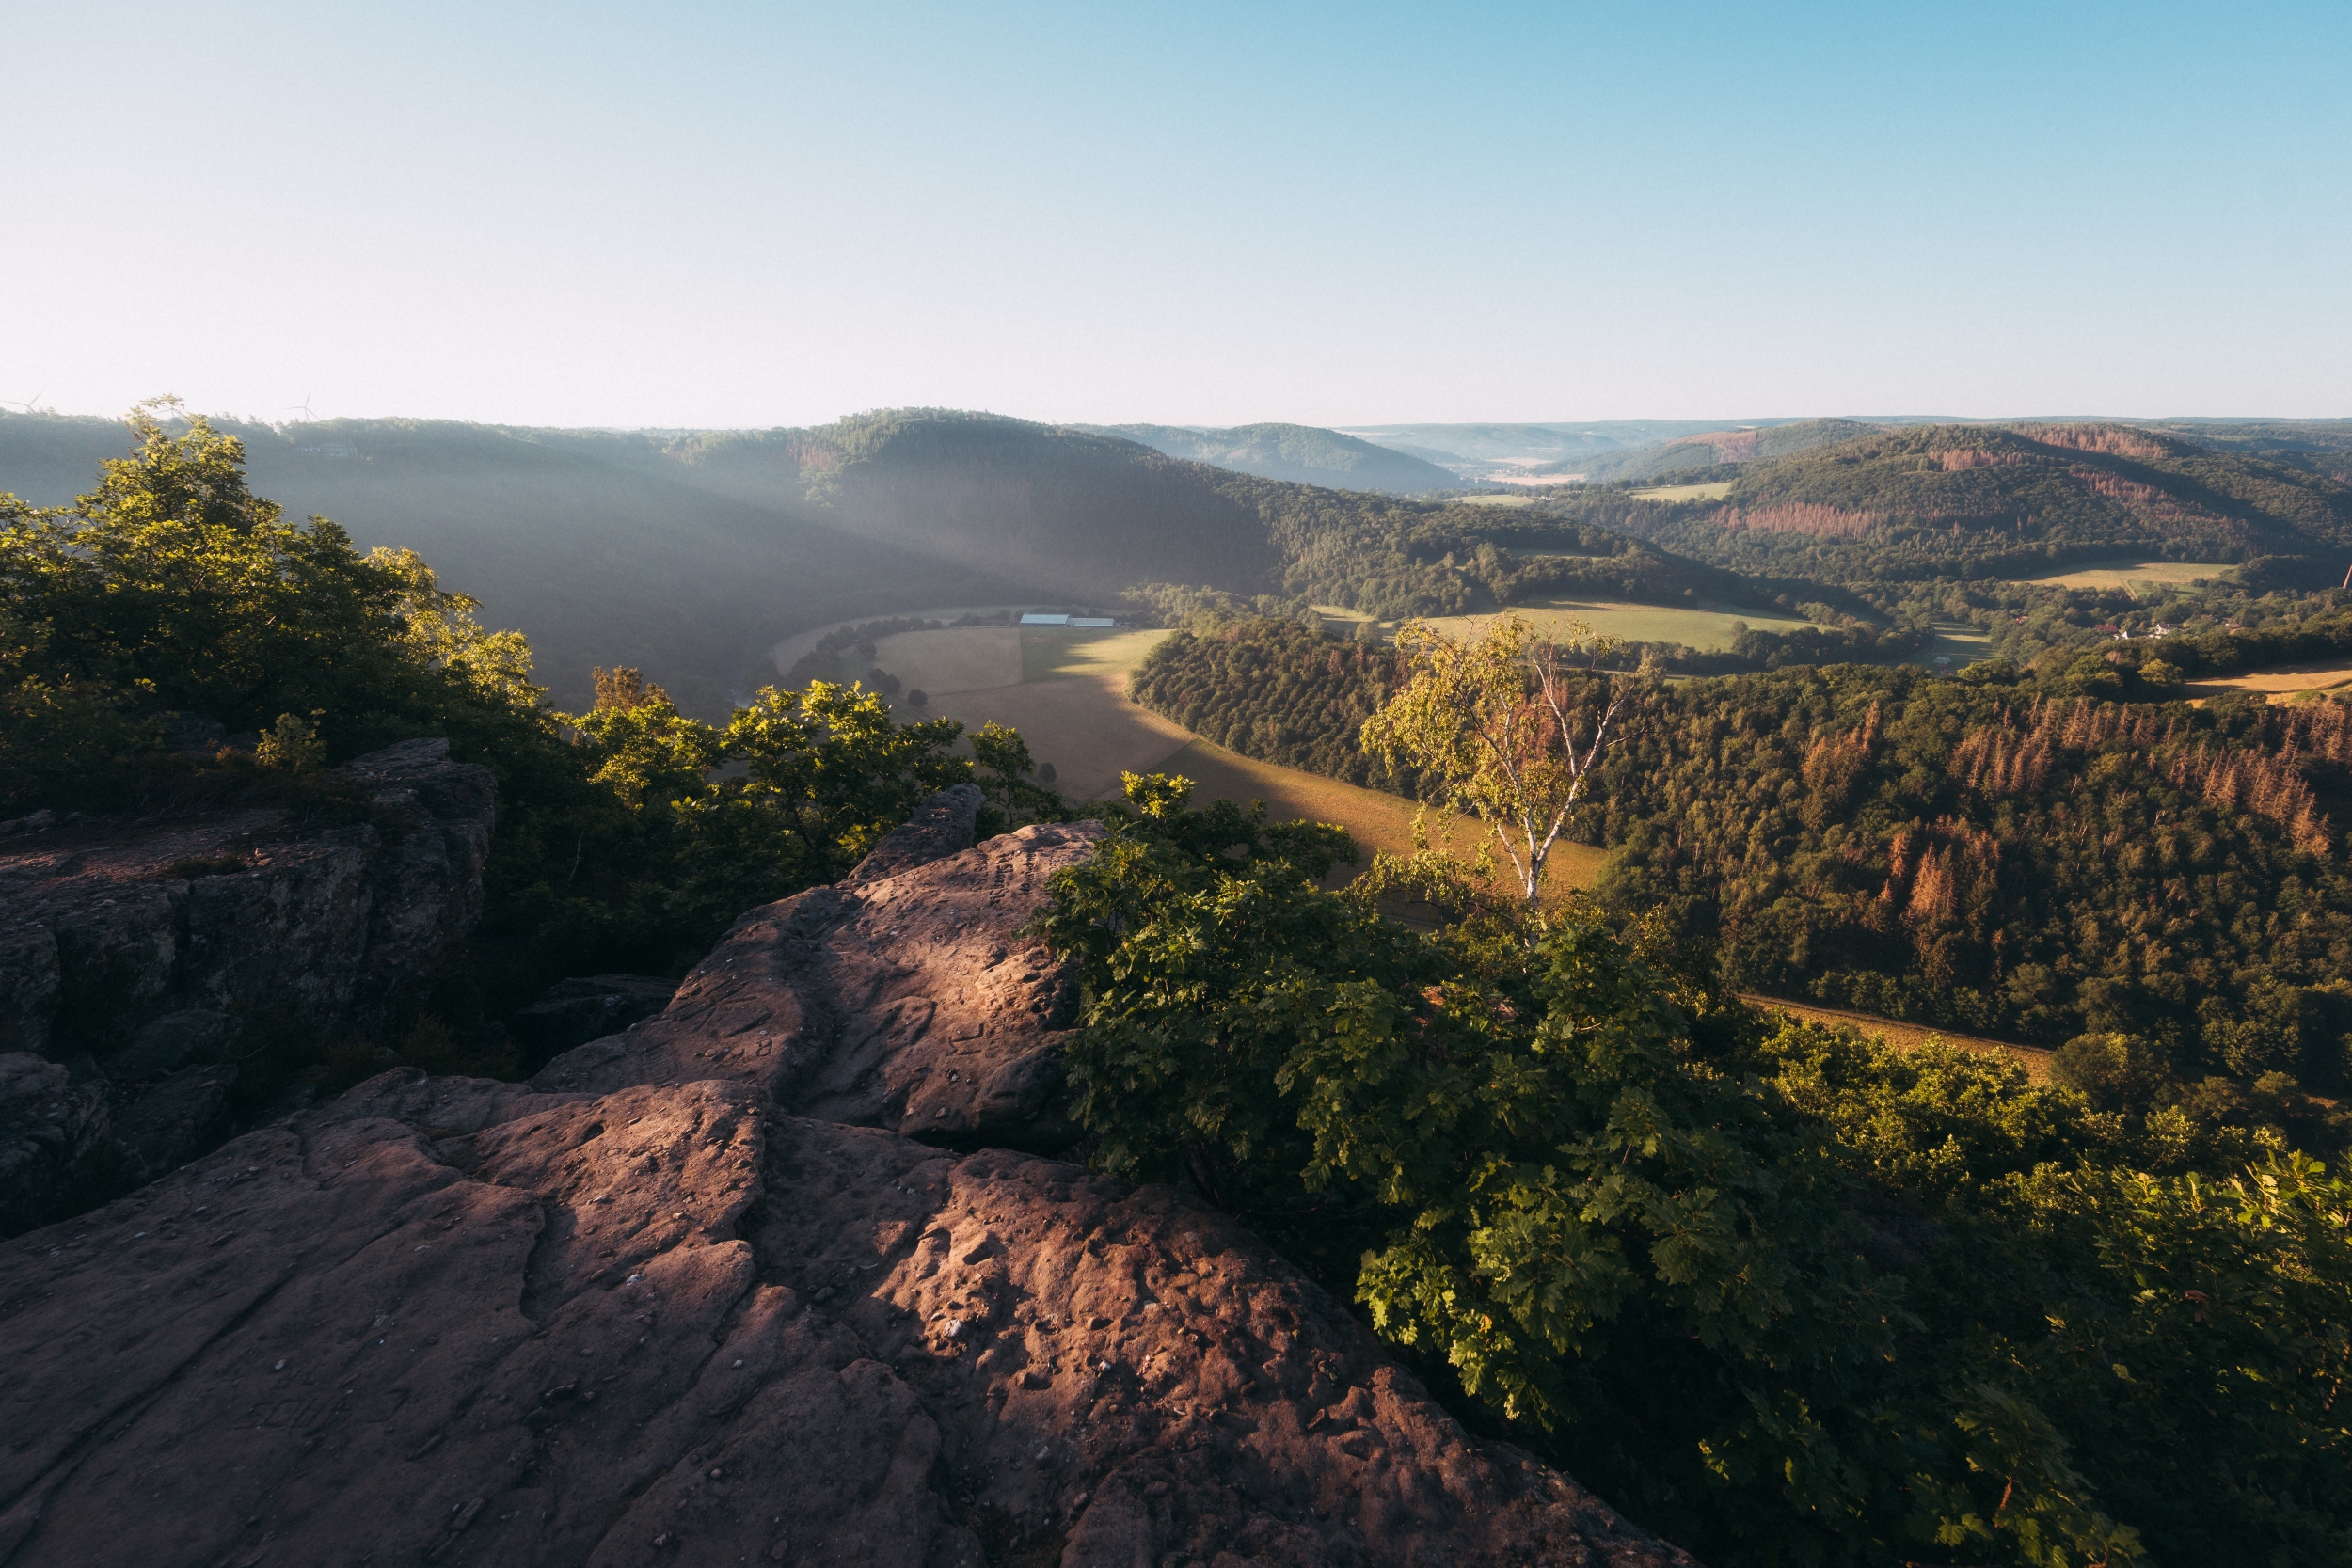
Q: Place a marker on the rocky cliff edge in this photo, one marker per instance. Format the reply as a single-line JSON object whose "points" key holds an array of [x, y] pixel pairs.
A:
{"points": [[132, 951], [700, 1295]]}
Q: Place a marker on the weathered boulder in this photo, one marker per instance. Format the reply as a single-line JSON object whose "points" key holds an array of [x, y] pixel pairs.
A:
{"points": [[902, 997], [139, 945]]}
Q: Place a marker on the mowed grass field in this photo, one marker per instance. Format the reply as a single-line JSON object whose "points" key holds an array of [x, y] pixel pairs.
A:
{"points": [[1962, 644], [1704, 626], [1065, 691], [2280, 685], [1910, 1037], [964, 658], [1057, 654], [1686, 492], [2140, 579]]}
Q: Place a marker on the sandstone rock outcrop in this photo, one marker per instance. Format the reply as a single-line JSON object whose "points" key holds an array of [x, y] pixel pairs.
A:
{"points": [[129, 950], [668, 1320], [902, 997]]}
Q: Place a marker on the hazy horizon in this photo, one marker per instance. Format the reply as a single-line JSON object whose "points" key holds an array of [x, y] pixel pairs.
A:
{"points": [[744, 216]]}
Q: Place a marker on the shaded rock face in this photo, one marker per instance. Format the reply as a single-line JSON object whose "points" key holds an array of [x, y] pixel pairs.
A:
{"points": [[902, 997], [573, 1012], [667, 1320], [133, 948], [54, 1137]]}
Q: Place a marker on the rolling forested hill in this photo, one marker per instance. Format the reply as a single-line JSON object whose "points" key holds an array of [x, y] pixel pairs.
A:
{"points": [[1301, 453], [688, 556], [1968, 502]]}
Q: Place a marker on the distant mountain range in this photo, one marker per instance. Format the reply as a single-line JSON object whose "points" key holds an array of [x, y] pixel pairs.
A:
{"points": [[691, 555], [1299, 453]]}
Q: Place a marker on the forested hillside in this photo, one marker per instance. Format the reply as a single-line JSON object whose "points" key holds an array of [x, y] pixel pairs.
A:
{"points": [[689, 555], [2035, 856], [1968, 502], [1991, 855], [1299, 453]]}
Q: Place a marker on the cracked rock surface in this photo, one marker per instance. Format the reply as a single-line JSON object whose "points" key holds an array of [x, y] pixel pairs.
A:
{"points": [[902, 997], [452, 1321]]}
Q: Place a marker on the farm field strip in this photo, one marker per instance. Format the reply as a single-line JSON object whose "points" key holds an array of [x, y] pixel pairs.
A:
{"points": [[964, 658], [787, 652], [1057, 655], [2161, 574], [1704, 626], [1908, 1036], [2280, 684], [1714, 492]]}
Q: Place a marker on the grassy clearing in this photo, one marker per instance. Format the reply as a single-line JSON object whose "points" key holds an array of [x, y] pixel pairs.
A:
{"points": [[1087, 728], [788, 652], [1686, 492], [1703, 625], [1057, 654], [1066, 693], [1910, 1037], [2142, 580], [1957, 642], [2281, 685], [966, 658], [1496, 501]]}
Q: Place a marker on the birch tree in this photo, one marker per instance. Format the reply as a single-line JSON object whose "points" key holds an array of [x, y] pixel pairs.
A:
{"points": [[1508, 726]]}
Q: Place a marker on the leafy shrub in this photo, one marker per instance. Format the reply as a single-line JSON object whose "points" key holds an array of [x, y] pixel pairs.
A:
{"points": [[1781, 1294]]}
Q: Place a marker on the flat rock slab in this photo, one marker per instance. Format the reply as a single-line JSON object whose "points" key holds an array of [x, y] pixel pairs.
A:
{"points": [[904, 997], [450, 1321]]}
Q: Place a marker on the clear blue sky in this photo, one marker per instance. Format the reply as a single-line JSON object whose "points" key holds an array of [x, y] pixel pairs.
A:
{"points": [[751, 214]]}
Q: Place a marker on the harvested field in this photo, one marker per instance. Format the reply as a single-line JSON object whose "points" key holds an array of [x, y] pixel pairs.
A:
{"points": [[1066, 693], [1714, 492], [2140, 579], [1909, 1037], [1057, 654], [2282, 684], [1703, 625], [966, 658], [1086, 729], [788, 652]]}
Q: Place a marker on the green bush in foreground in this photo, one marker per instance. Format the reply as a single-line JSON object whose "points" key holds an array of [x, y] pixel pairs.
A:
{"points": [[1782, 1295]]}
